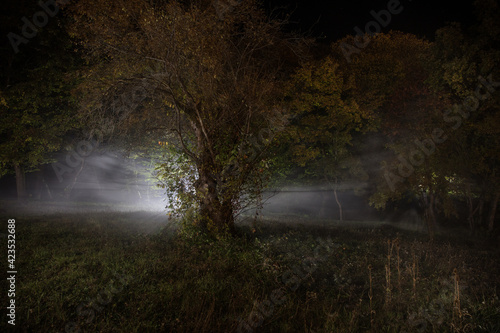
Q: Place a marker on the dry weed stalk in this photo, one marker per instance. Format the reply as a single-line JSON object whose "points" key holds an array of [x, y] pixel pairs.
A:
{"points": [[457, 312], [388, 288], [414, 275], [396, 241], [370, 294]]}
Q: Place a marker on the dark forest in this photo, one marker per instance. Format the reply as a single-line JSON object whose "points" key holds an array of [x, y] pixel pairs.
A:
{"points": [[249, 166]]}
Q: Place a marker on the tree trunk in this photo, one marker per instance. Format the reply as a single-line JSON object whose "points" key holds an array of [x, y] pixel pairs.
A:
{"points": [[49, 193], [432, 216], [70, 187], [470, 216], [480, 213], [39, 184], [493, 210], [338, 203], [20, 182], [216, 214], [429, 215], [97, 180]]}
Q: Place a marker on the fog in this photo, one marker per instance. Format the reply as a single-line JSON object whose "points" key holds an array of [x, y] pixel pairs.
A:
{"points": [[110, 181], [316, 205], [101, 181]]}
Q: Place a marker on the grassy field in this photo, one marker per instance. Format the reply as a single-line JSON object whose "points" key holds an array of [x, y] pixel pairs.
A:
{"points": [[132, 272]]}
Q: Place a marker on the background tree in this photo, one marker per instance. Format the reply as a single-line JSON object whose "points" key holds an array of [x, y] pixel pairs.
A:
{"points": [[326, 116], [389, 80], [37, 108], [465, 69]]}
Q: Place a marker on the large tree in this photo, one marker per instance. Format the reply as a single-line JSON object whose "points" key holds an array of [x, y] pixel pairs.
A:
{"points": [[215, 81], [466, 69], [389, 80], [327, 117], [36, 107]]}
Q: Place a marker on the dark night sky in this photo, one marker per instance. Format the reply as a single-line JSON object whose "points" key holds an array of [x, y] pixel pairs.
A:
{"points": [[336, 19]]}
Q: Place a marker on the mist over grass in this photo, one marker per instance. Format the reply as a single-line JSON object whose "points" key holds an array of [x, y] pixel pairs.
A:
{"points": [[19, 208]]}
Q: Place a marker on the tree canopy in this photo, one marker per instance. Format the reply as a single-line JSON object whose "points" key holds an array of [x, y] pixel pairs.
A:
{"points": [[215, 82]]}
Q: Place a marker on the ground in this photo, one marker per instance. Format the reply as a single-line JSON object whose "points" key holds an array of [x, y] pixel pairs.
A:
{"points": [[131, 271]]}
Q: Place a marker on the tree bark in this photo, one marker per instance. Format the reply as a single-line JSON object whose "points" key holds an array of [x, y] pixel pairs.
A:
{"points": [[470, 206], [49, 193], [472, 212], [39, 184], [70, 187], [97, 180], [20, 182], [338, 203], [432, 215], [429, 215], [493, 210], [480, 212], [216, 213]]}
